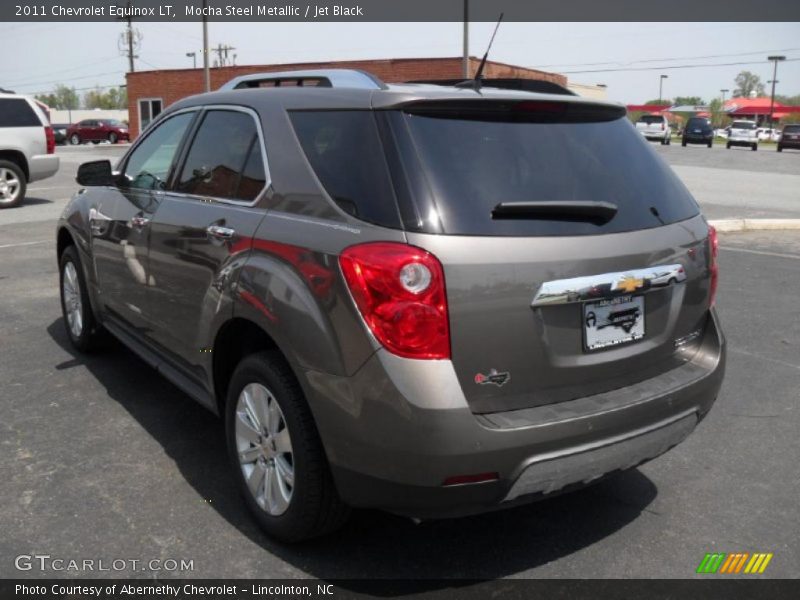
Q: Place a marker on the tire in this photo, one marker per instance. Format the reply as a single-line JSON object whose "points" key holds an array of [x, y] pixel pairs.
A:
{"points": [[75, 139], [683, 144], [313, 507], [754, 147], [80, 323], [112, 138], [780, 149], [669, 141], [710, 144], [12, 184], [728, 146]]}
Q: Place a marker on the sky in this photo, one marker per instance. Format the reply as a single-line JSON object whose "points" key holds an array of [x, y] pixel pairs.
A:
{"points": [[628, 57]]}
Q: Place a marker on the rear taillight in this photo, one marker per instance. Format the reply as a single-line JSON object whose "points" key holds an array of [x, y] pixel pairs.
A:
{"points": [[51, 139], [399, 290], [713, 249], [663, 127]]}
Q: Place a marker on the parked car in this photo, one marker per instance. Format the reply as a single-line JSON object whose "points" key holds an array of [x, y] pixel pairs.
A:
{"points": [[698, 131], [721, 133], [98, 130], [742, 133], [278, 253], [60, 133], [790, 138], [27, 147], [654, 128], [765, 134]]}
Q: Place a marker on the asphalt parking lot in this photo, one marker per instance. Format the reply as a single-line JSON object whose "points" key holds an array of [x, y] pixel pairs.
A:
{"points": [[101, 458]]}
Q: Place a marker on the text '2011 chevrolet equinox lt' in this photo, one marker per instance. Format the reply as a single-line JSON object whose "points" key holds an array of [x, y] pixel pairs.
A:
{"points": [[433, 300]]}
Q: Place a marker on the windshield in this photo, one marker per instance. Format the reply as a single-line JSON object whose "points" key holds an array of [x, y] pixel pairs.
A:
{"points": [[114, 123]]}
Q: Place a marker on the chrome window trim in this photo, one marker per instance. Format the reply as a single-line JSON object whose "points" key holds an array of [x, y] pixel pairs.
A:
{"points": [[577, 289]]}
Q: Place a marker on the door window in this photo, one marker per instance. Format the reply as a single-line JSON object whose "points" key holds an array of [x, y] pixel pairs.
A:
{"points": [[225, 159], [149, 164]]}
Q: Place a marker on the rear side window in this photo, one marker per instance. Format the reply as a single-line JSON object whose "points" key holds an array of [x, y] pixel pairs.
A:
{"points": [[16, 112], [651, 119], [225, 159], [346, 153], [473, 164]]}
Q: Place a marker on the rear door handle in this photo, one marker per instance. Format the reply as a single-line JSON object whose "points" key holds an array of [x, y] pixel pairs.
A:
{"points": [[220, 232]]}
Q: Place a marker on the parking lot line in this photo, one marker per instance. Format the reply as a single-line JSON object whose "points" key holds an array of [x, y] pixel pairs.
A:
{"points": [[760, 252], [25, 244]]}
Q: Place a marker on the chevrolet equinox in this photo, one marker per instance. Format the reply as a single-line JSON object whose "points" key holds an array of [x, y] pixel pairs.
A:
{"points": [[431, 299]]}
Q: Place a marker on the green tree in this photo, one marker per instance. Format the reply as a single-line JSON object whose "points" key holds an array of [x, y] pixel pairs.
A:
{"points": [[114, 98], [62, 98], [788, 100], [689, 100], [747, 82], [659, 102]]}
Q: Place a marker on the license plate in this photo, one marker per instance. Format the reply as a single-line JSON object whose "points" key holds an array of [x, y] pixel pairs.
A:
{"points": [[613, 321], [696, 131]]}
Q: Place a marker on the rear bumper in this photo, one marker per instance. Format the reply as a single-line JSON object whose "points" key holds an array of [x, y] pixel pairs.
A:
{"points": [[397, 429], [742, 142], [697, 138], [42, 166], [789, 144]]}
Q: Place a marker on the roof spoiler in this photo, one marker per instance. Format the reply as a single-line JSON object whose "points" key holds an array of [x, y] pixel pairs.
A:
{"points": [[330, 78], [524, 85]]}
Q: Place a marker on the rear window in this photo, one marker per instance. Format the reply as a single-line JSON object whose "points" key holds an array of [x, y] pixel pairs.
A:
{"points": [[651, 119], [16, 112], [473, 164], [791, 129], [697, 122], [743, 125]]}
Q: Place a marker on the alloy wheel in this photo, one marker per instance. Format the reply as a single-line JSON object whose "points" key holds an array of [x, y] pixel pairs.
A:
{"points": [[9, 186], [71, 293], [264, 449]]}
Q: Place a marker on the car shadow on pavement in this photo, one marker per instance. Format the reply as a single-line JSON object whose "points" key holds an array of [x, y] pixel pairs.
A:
{"points": [[31, 200], [373, 545]]}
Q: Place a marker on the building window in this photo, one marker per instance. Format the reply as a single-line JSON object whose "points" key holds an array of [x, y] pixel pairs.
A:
{"points": [[149, 109]]}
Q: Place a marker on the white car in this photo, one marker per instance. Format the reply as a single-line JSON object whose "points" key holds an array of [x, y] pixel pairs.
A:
{"points": [[27, 147], [721, 133], [743, 133], [654, 128], [766, 134]]}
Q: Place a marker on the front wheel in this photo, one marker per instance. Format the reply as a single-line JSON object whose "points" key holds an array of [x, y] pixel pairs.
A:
{"points": [[75, 139], [276, 454], [77, 311]]}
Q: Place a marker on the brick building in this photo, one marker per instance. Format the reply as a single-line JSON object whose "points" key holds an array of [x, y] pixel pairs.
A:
{"points": [[149, 92]]}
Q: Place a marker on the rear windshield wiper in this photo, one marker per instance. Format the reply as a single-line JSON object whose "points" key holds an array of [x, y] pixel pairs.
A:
{"points": [[569, 210]]}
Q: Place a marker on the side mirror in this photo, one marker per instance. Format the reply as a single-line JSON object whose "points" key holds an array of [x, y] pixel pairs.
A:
{"points": [[96, 173]]}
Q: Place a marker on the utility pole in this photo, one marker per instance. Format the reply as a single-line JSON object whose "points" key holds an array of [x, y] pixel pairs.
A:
{"points": [[465, 59], [775, 60], [129, 40], [206, 73], [661, 86], [222, 54], [723, 96]]}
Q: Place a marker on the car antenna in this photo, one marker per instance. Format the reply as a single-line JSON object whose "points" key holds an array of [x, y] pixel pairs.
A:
{"points": [[475, 83]]}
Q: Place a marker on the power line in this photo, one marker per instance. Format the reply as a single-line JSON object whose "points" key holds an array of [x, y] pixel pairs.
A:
{"points": [[651, 60], [663, 67]]}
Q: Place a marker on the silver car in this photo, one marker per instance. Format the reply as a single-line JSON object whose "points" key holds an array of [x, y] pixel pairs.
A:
{"points": [[434, 300]]}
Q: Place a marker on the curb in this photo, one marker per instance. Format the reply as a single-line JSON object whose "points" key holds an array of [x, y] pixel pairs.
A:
{"points": [[731, 225]]}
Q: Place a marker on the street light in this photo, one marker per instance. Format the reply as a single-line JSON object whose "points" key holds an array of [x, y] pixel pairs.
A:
{"points": [[775, 60], [723, 96], [193, 56], [660, 86]]}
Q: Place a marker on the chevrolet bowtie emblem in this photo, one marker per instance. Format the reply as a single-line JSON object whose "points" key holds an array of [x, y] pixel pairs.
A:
{"points": [[630, 284]]}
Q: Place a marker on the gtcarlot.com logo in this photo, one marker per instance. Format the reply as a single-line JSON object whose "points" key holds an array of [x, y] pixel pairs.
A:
{"points": [[735, 563], [46, 562]]}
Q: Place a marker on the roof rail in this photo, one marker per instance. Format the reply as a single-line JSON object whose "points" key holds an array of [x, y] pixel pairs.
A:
{"points": [[525, 85], [335, 78]]}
